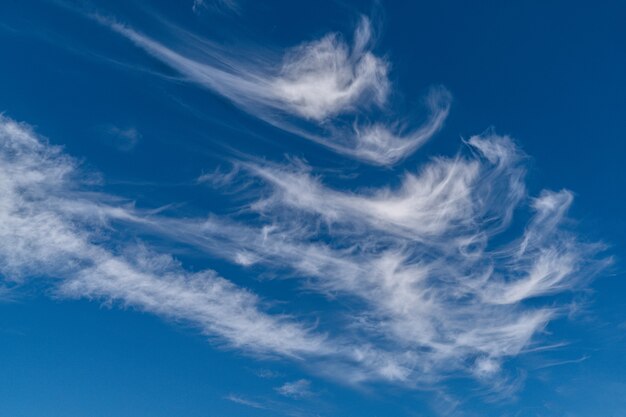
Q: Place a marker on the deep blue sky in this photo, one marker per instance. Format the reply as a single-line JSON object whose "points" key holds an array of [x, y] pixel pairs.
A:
{"points": [[549, 74]]}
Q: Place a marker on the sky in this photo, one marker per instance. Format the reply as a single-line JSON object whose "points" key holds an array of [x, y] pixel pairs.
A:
{"points": [[331, 208]]}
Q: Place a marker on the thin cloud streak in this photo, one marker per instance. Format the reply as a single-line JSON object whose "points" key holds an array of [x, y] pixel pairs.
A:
{"points": [[50, 226], [315, 82]]}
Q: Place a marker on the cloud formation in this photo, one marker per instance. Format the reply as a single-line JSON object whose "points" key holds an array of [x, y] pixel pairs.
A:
{"points": [[434, 282], [303, 91], [432, 278], [51, 227], [431, 269]]}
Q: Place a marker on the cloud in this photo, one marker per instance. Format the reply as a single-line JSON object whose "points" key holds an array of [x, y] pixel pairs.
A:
{"points": [[326, 77], [437, 200], [296, 389], [245, 401], [52, 228], [198, 5], [57, 227], [417, 256], [305, 89], [267, 373], [273, 406], [315, 80], [123, 139], [157, 285], [437, 281], [432, 278], [378, 143]]}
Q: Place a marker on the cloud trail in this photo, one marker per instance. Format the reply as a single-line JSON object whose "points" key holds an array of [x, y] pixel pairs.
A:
{"points": [[306, 89], [51, 227]]}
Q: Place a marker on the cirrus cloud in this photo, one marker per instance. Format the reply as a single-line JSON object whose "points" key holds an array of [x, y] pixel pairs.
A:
{"points": [[305, 89]]}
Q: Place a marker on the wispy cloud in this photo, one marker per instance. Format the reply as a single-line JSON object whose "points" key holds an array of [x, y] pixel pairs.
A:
{"points": [[427, 279], [52, 227], [437, 296], [122, 138], [198, 5], [296, 389], [438, 290], [273, 406], [563, 362], [245, 401], [302, 90]]}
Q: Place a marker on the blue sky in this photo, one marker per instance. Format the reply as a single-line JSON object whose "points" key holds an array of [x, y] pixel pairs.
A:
{"points": [[237, 208]]}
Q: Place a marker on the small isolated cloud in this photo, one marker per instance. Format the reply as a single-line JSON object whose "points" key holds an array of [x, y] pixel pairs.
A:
{"points": [[218, 178], [267, 373], [296, 389], [239, 399], [123, 139]]}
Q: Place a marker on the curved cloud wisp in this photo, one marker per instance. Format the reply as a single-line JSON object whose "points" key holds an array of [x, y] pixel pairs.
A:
{"points": [[315, 82]]}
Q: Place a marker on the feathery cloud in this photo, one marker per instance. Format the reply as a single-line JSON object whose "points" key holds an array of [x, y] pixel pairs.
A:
{"points": [[432, 287], [51, 227], [430, 293], [428, 279], [302, 91]]}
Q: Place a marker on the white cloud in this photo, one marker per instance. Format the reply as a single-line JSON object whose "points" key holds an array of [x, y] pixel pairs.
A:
{"points": [[380, 144], [326, 77], [198, 5], [158, 285], [303, 91], [245, 401], [316, 80], [429, 292], [428, 279], [437, 295], [296, 389], [51, 228], [442, 198]]}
